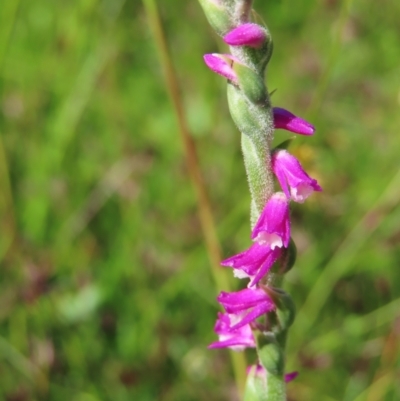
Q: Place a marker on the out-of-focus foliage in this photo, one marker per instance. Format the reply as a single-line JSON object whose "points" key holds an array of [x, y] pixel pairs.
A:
{"points": [[105, 286]]}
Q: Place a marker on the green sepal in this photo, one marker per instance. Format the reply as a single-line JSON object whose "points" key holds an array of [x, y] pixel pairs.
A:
{"points": [[283, 265], [258, 57], [288, 258], [251, 83], [271, 358], [217, 16], [284, 145], [270, 354], [252, 120], [256, 386], [285, 308]]}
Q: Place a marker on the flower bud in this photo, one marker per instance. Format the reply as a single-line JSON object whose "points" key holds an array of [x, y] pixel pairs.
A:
{"points": [[287, 258], [290, 376], [247, 34], [286, 120], [222, 65]]}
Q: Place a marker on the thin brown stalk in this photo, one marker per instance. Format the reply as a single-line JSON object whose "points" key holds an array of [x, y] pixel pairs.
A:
{"points": [[388, 362], [7, 215], [204, 207]]}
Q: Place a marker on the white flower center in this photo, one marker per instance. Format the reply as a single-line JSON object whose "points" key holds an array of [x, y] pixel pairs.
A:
{"points": [[272, 240], [240, 273], [301, 192]]}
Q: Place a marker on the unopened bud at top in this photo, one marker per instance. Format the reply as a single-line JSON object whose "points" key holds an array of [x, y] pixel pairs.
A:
{"points": [[286, 120], [247, 34]]}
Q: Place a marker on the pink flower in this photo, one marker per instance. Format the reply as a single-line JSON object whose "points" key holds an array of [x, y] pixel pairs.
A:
{"points": [[247, 305], [286, 120], [289, 172], [273, 226], [290, 376], [254, 263], [237, 339], [222, 65], [246, 35]]}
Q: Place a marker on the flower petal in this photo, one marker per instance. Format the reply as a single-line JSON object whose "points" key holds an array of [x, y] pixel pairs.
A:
{"points": [[273, 225], [235, 339], [221, 64], [289, 171], [286, 120], [247, 34]]}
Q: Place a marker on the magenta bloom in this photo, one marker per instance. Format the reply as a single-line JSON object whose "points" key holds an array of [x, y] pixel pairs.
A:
{"points": [[246, 35], [254, 263], [253, 301], [290, 376], [237, 339], [286, 120], [289, 172], [221, 64], [273, 226]]}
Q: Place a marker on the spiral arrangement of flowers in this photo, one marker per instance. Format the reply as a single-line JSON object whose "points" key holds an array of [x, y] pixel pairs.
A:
{"points": [[260, 315]]}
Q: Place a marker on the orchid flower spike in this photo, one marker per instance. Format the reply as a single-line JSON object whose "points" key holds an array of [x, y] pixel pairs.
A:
{"points": [[247, 34], [289, 172], [286, 120]]}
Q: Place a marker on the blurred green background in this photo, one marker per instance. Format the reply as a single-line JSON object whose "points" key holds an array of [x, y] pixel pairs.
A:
{"points": [[105, 287]]}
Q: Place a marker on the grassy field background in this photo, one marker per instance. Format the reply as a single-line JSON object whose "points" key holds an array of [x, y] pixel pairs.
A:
{"points": [[106, 291]]}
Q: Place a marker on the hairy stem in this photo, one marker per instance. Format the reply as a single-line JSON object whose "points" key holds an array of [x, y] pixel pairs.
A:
{"points": [[243, 11]]}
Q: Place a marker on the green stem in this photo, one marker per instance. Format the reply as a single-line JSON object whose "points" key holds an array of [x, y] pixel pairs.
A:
{"points": [[276, 388], [243, 10], [255, 123], [256, 155]]}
